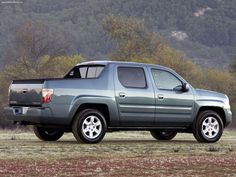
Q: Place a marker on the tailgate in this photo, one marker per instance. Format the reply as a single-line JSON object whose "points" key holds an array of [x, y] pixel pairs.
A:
{"points": [[26, 92]]}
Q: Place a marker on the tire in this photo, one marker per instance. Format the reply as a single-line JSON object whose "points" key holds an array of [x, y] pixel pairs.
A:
{"points": [[163, 134], [89, 126], [48, 134], [208, 127]]}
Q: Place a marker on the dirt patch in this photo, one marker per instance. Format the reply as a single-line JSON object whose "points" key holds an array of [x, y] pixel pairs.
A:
{"points": [[119, 154], [210, 165]]}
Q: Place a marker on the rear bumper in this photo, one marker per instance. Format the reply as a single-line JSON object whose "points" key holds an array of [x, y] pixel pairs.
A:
{"points": [[228, 117], [30, 115]]}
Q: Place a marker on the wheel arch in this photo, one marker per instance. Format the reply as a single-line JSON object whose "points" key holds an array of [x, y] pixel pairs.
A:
{"points": [[103, 108], [218, 110]]}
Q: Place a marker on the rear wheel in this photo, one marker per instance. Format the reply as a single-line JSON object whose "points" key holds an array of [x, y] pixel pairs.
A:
{"points": [[89, 126], [48, 134], [163, 134], [208, 127]]}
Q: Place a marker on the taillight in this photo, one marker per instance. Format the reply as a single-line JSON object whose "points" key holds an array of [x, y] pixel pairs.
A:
{"points": [[47, 95], [9, 93]]}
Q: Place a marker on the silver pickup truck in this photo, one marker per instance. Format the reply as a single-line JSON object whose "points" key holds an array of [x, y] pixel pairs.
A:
{"points": [[100, 96]]}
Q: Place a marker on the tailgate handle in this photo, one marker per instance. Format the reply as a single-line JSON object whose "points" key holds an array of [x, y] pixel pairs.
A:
{"points": [[24, 90]]}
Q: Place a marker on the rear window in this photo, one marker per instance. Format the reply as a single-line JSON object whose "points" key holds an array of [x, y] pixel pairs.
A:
{"points": [[132, 77], [84, 72]]}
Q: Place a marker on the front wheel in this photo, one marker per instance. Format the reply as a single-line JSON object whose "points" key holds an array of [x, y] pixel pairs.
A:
{"points": [[163, 134], [48, 134], [89, 126], [208, 127]]}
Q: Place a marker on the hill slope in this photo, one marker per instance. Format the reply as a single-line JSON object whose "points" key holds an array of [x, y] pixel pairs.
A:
{"points": [[205, 30]]}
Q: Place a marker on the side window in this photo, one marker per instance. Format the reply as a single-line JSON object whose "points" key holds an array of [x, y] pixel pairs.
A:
{"points": [[99, 70], [165, 80], [94, 72], [84, 72], [132, 77], [91, 72]]}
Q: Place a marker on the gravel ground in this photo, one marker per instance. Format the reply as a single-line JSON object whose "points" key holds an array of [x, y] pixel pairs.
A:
{"points": [[119, 154]]}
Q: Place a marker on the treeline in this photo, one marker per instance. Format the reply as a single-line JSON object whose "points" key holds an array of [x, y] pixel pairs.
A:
{"points": [[209, 24], [39, 54]]}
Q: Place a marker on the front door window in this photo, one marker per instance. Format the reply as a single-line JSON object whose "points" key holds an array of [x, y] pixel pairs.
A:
{"points": [[165, 80]]}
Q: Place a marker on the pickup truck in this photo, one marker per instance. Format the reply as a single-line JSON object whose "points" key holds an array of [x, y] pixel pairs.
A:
{"points": [[99, 96]]}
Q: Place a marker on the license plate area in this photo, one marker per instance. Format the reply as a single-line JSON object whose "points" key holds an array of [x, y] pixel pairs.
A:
{"points": [[20, 110]]}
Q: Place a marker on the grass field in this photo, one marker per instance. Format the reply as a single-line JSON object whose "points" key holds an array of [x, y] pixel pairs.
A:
{"points": [[119, 154]]}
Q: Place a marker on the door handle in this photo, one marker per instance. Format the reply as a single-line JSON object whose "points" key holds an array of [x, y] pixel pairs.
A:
{"points": [[122, 95], [160, 97]]}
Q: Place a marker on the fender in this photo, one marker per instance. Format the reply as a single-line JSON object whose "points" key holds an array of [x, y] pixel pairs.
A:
{"points": [[207, 103], [92, 99]]}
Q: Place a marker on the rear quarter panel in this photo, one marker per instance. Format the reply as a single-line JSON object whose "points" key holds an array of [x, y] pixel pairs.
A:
{"points": [[70, 94]]}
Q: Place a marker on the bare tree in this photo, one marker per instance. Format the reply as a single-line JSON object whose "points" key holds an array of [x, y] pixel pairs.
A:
{"points": [[34, 40], [132, 38]]}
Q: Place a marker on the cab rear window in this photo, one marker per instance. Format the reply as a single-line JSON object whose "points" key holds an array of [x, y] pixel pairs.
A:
{"points": [[84, 72]]}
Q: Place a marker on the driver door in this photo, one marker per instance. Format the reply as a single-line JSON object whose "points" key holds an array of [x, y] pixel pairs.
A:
{"points": [[174, 108]]}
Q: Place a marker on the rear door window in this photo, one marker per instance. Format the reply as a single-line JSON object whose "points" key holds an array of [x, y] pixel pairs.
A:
{"points": [[132, 77]]}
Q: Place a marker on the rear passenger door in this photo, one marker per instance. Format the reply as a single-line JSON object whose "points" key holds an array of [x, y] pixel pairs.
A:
{"points": [[134, 96]]}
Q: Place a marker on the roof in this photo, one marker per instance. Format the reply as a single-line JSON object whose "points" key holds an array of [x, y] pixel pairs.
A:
{"points": [[105, 62]]}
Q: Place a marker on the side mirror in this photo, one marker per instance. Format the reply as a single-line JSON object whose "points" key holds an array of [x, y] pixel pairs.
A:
{"points": [[182, 88], [178, 88], [185, 87]]}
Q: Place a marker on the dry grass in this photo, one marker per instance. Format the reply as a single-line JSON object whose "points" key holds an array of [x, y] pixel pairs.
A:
{"points": [[119, 154]]}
